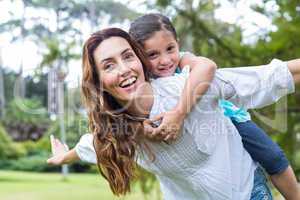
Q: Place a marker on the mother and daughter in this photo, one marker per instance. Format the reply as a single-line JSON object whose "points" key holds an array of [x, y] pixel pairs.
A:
{"points": [[197, 143]]}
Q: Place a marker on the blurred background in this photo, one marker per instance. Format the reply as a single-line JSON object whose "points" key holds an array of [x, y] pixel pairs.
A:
{"points": [[40, 71]]}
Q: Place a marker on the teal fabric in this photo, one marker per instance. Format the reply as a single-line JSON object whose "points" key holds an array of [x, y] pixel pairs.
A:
{"points": [[177, 70], [235, 113]]}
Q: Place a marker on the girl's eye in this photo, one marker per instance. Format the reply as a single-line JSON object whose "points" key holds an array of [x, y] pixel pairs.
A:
{"points": [[170, 48], [152, 55]]}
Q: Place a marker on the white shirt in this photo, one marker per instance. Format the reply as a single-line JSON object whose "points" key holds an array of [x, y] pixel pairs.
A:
{"points": [[208, 161]]}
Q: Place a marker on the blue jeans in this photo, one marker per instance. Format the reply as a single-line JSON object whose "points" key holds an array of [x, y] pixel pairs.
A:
{"points": [[261, 148], [260, 190]]}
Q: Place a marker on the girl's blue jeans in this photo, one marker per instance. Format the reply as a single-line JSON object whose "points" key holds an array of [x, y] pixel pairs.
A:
{"points": [[261, 147]]}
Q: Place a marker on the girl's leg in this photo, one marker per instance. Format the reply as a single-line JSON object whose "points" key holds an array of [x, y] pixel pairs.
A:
{"points": [[286, 183], [271, 157], [260, 190]]}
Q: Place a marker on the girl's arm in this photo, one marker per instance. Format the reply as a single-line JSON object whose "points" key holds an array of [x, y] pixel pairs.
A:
{"points": [[202, 72]]}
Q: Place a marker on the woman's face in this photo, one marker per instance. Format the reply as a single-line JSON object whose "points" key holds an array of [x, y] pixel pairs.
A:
{"points": [[163, 52], [120, 70]]}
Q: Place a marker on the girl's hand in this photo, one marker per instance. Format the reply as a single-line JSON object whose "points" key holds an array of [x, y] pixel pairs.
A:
{"points": [[59, 151], [169, 128]]}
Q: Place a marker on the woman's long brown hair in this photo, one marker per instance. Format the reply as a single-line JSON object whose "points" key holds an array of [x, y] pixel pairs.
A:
{"points": [[115, 136]]}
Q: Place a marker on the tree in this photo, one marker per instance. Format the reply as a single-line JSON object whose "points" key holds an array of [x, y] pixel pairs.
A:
{"points": [[2, 95]]}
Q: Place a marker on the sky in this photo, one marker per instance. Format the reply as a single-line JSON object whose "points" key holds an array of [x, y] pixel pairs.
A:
{"points": [[26, 52]]}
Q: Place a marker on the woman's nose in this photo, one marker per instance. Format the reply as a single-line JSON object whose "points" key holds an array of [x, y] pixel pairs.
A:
{"points": [[123, 69]]}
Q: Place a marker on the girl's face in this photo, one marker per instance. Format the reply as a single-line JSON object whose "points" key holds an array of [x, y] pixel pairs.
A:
{"points": [[120, 70], [162, 50]]}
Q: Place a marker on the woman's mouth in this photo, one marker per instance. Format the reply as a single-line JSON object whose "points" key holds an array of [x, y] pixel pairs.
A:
{"points": [[128, 84]]}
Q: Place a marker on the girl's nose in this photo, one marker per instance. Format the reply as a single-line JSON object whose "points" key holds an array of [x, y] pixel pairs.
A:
{"points": [[165, 60]]}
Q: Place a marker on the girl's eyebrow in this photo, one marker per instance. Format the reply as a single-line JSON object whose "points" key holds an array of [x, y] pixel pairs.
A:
{"points": [[171, 43], [151, 51]]}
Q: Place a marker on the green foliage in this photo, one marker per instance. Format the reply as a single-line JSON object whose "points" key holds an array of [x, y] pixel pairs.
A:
{"points": [[146, 181], [32, 156], [9, 149], [31, 163], [26, 119], [28, 111], [75, 126], [37, 88]]}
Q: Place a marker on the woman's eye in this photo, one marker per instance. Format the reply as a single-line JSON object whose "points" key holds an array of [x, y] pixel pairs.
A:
{"points": [[108, 67], [128, 56]]}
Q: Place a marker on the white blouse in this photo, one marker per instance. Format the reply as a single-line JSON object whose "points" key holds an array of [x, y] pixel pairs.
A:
{"points": [[207, 161]]}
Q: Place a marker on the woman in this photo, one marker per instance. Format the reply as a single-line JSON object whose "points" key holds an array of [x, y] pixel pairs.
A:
{"points": [[208, 161]]}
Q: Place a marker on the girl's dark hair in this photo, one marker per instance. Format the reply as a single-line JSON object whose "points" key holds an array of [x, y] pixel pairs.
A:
{"points": [[142, 28], [115, 135]]}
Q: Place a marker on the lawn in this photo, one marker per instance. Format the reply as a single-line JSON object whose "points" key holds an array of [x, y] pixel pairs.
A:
{"points": [[50, 186]]}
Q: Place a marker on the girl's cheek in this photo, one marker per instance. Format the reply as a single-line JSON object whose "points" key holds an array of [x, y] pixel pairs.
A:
{"points": [[154, 64]]}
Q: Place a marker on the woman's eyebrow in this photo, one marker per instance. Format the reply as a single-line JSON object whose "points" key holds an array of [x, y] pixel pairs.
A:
{"points": [[126, 50], [106, 59], [110, 58]]}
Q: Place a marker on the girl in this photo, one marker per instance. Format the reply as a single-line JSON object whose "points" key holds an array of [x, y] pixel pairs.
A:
{"points": [[199, 165], [156, 34]]}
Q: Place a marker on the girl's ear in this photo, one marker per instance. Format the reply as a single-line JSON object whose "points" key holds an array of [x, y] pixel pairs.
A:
{"points": [[178, 43]]}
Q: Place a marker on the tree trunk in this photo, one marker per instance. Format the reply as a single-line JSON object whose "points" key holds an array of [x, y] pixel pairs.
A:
{"points": [[2, 94]]}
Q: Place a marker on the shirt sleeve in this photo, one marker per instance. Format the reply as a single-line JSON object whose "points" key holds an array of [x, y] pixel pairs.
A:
{"points": [[85, 149], [256, 87], [182, 53]]}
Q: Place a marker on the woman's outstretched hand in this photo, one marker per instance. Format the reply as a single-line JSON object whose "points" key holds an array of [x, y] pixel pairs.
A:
{"points": [[59, 150], [169, 128]]}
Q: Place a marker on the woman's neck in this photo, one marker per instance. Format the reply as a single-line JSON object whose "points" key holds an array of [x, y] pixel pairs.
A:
{"points": [[143, 102]]}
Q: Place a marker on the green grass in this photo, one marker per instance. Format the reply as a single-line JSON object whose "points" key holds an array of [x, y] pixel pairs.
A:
{"points": [[50, 186]]}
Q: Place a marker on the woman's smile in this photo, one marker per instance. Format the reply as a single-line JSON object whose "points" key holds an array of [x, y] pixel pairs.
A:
{"points": [[120, 70]]}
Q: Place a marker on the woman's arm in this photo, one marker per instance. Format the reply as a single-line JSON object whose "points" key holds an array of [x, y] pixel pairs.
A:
{"points": [[61, 153], [84, 151], [256, 87], [294, 67]]}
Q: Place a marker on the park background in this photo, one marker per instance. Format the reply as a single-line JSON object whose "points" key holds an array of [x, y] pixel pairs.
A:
{"points": [[41, 43]]}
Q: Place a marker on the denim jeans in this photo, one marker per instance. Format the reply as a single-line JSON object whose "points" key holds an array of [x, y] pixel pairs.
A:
{"points": [[261, 148], [260, 190]]}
